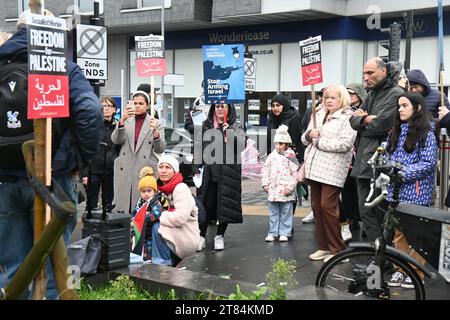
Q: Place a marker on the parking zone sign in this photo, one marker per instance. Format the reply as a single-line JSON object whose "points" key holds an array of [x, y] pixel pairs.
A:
{"points": [[92, 51]]}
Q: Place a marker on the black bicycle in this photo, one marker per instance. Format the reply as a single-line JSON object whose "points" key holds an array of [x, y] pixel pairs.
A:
{"points": [[366, 268]]}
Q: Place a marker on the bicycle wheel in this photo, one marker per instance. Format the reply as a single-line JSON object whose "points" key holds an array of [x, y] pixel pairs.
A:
{"points": [[354, 271]]}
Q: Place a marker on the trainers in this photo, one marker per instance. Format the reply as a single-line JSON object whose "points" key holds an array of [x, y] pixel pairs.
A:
{"points": [[283, 239], [319, 255], [328, 258], [407, 283], [202, 244], [218, 243], [270, 238], [309, 218], [346, 233], [397, 279]]}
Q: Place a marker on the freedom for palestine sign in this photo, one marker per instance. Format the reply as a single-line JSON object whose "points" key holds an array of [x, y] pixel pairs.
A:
{"points": [[48, 83]]}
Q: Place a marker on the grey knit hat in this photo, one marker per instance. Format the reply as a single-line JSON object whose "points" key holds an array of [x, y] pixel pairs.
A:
{"points": [[282, 135], [358, 89]]}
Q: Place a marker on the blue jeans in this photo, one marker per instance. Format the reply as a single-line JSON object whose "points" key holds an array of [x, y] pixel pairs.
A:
{"points": [[17, 225], [161, 253], [280, 218]]}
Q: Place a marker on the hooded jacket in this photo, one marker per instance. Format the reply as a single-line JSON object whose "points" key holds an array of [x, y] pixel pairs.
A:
{"points": [[432, 96], [227, 173], [289, 117], [86, 116]]}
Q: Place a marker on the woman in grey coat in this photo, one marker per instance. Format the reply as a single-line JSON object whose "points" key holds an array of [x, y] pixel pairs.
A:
{"points": [[141, 138]]}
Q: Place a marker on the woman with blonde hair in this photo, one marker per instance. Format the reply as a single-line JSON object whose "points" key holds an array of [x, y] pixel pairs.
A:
{"points": [[327, 158]]}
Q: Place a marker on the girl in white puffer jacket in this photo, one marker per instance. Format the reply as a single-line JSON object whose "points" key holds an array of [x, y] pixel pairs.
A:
{"points": [[279, 182]]}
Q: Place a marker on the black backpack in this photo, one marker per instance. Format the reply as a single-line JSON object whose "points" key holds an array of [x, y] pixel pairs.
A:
{"points": [[15, 128]]}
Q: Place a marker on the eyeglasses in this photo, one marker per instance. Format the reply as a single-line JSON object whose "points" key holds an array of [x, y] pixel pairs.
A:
{"points": [[108, 106]]}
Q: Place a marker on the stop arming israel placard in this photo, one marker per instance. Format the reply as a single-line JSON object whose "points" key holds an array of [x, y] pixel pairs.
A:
{"points": [[48, 83], [223, 72], [311, 60], [150, 56]]}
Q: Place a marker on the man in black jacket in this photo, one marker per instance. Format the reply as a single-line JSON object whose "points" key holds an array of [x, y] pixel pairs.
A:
{"points": [[372, 121]]}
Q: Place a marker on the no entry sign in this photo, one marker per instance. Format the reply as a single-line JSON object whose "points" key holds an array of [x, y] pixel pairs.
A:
{"points": [[311, 60], [48, 84], [150, 56]]}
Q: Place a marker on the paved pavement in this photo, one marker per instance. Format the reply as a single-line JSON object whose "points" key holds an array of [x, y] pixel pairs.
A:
{"points": [[247, 257]]}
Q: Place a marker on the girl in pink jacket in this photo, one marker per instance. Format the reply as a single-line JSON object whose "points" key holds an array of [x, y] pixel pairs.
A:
{"points": [[279, 182]]}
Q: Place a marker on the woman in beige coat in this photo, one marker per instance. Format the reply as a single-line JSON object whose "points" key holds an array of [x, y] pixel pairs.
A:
{"points": [[141, 138], [176, 235], [327, 158]]}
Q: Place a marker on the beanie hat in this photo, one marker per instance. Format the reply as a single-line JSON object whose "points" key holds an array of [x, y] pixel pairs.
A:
{"points": [[146, 87], [358, 89], [282, 135], [171, 160], [146, 179]]}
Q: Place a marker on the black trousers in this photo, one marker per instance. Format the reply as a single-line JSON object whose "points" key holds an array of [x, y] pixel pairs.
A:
{"points": [[349, 207], [107, 189], [210, 202], [371, 217]]}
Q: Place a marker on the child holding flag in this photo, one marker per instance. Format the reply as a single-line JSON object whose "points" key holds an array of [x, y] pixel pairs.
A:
{"points": [[147, 210]]}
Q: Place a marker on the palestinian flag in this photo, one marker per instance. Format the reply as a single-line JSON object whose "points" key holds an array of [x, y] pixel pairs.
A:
{"points": [[139, 230]]}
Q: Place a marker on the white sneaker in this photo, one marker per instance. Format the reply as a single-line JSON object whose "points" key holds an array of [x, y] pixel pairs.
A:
{"points": [[328, 258], [202, 244], [309, 218], [346, 233], [319, 255], [396, 279], [283, 239], [270, 238], [218, 243]]}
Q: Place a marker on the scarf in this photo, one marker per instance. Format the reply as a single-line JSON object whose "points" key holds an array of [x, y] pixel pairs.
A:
{"points": [[168, 188]]}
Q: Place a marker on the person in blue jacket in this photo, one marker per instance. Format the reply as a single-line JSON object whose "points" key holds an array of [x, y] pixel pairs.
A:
{"points": [[413, 143], [16, 193], [418, 83]]}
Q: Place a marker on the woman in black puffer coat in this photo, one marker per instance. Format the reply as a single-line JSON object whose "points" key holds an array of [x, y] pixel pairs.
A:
{"points": [[221, 187]]}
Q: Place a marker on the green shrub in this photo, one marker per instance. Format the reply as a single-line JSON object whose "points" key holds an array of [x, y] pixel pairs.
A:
{"points": [[281, 278]]}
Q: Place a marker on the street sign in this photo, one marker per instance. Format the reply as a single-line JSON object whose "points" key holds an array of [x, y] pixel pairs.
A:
{"points": [[48, 83], [92, 51], [250, 74], [172, 79], [311, 60], [150, 56]]}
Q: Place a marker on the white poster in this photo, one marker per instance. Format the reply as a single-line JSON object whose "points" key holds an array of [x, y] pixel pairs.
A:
{"points": [[253, 119], [254, 104]]}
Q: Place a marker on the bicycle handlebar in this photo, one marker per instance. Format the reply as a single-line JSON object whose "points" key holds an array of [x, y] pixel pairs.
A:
{"points": [[377, 200]]}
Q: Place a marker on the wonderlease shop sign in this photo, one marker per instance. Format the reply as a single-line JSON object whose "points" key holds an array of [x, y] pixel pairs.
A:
{"points": [[245, 36]]}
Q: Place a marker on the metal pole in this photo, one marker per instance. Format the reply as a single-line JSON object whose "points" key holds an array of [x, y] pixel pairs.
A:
{"points": [[409, 35], [95, 21], [164, 106], [443, 177]]}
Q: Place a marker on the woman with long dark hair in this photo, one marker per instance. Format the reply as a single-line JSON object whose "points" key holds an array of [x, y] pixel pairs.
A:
{"points": [[413, 143]]}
